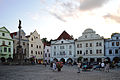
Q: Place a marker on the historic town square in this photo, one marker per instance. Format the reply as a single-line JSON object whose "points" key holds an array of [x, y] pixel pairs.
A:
{"points": [[59, 39]]}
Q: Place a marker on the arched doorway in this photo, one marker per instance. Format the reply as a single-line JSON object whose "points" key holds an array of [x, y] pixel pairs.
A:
{"points": [[85, 59], [116, 59], [99, 59], [69, 60], [55, 59], [108, 59], [92, 60], [63, 60], [2, 59]]}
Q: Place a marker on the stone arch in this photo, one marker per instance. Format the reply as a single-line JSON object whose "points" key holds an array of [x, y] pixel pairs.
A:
{"points": [[63, 60], [2, 59], [69, 60], [55, 59], [116, 59]]}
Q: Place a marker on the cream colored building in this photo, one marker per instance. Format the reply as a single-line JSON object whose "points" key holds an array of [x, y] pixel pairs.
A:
{"points": [[23, 42], [35, 46], [90, 46]]}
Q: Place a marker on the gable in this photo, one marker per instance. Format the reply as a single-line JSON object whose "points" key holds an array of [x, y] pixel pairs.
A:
{"points": [[62, 41], [3, 29]]}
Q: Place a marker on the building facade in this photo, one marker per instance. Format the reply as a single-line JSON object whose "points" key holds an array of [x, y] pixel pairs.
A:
{"points": [[62, 49], [6, 44], [112, 47], [47, 53], [90, 46], [36, 46], [24, 43]]}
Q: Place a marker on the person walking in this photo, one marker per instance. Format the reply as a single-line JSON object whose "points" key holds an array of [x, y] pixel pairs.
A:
{"points": [[102, 66], [78, 65], [107, 67], [54, 66]]}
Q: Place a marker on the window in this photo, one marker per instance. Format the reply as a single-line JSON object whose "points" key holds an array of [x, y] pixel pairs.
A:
{"points": [[47, 50], [80, 45], [31, 52], [117, 43], [97, 44], [116, 51], [85, 36], [49, 55], [54, 53], [80, 52], [3, 42], [70, 47], [62, 42], [97, 51], [90, 44], [41, 52], [9, 43], [100, 44], [54, 47], [90, 51], [5, 49], [77, 52], [3, 34], [9, 49], [86, 51], [77, 45], [24, 51], [70, 53], [31, 39], [61, 47], [110, 51], [23, 43], [113, 44], [100, 51], [31, 45], [45, 55], [86, 44], [37, 46], [117, 37], [36, 52]]}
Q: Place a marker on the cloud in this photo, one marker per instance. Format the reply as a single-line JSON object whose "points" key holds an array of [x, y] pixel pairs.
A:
{"points": [[91, 4], [35, 16], [112, 17]]}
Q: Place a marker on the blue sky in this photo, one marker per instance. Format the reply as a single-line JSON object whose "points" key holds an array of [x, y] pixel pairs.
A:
{"points": [[51, 17]]}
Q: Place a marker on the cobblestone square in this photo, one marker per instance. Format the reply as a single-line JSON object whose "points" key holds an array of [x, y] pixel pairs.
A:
{"points": [[40, 72]]}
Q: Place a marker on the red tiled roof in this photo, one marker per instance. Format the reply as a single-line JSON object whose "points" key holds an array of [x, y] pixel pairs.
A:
{"points": [[65, 36], [13, 34]]}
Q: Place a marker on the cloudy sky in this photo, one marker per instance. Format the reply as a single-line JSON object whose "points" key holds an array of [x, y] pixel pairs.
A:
{"points": [[51, 17]]}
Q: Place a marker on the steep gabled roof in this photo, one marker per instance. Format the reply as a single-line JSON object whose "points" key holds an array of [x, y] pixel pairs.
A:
{"points": [[64, 36]]}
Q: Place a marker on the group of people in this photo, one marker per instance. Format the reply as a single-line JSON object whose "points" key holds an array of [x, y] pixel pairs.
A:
{"points": [[102, 66]]}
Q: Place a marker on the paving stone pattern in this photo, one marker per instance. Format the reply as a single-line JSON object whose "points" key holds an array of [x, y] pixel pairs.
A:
{"points": [[40, 72]]}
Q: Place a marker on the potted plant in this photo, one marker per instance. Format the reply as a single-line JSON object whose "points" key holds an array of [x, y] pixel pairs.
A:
{"points": [[59, 65]]}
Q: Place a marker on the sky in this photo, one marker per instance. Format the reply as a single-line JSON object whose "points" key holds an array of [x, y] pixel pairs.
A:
{"points": [[51, 17]]}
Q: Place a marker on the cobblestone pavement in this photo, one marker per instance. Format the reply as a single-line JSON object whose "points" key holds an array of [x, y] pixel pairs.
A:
{"points": [[40, 72]]}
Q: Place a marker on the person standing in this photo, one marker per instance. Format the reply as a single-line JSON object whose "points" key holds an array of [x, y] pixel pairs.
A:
{"points": [[107, 67], [78, 65]]}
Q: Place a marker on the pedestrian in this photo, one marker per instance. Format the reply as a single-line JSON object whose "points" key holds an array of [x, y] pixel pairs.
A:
{"points": [[78, 65], [102, 66], [54, 66], [107, 67]]}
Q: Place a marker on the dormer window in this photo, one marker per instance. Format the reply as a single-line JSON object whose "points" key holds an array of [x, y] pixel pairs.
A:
{"points": [[62, 42], [31, 39], [117, 37]]}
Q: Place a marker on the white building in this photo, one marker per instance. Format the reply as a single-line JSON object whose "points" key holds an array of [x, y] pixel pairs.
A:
{"points": [[35, 46], [90, 46], [62, 49], [47, 53], [24, 43]]}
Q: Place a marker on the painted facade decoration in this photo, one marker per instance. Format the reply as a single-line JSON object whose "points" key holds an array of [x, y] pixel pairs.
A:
{"points": [[24, 43], [90, 46], [36, 46], [112, 47], [62, 49], [6, 43]]}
